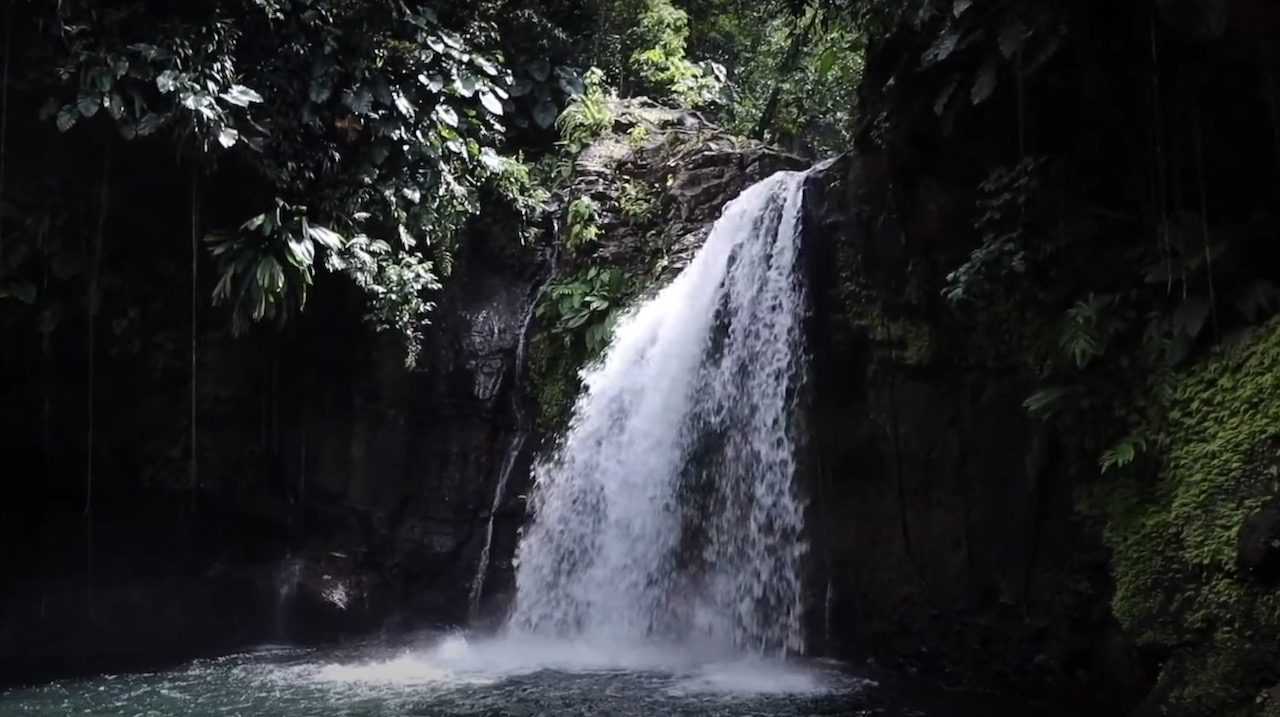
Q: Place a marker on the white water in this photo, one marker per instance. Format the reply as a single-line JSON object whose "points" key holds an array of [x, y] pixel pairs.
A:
{"points": [[669, 512], [455, 660]]}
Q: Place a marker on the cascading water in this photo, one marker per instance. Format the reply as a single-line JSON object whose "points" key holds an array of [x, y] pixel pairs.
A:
{"points": [[669, 512]]}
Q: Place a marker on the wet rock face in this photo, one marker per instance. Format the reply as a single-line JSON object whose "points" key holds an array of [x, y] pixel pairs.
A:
{"points": [[686, 167], [321, 597], [409, 459]]}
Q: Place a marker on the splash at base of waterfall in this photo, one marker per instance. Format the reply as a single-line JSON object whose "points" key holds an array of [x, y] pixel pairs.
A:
{"points": [[687, 668]]}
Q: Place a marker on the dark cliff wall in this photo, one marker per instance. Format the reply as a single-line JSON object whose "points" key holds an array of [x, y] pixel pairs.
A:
{"points": [[339, 493], [1130, 118], [944, 529]]}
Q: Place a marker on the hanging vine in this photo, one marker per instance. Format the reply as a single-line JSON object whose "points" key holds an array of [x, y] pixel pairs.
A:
{"points": [[193, 461]]}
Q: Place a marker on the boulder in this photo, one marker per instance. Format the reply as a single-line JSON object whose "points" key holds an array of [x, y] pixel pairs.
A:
{"points": [[1258, 547]]}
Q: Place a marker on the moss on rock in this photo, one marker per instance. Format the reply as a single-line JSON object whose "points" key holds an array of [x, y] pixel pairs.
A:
{"points": [[1179, 590], [553, 374]]}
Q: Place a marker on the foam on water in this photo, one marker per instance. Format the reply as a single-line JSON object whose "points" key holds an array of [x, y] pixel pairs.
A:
{"points": [[407, 669], [686, 670]]}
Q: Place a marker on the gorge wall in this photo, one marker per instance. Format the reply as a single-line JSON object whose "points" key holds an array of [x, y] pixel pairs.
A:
{"points": [[945, 527], [339, 493], [342, 494]]}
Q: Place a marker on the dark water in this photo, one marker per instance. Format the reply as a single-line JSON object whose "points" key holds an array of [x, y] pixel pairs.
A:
{"points": [[496, 678]]}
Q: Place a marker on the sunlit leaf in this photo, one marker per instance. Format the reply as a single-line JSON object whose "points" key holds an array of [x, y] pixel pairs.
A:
{"points": [[403, 104], [985, 83], [167, 81], [491, 102], [326, 238], [446, 114], [228, 137], [241, 96], [465, 84]]}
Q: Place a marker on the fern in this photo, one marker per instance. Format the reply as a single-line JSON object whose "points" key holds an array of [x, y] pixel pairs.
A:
{"points": [[637, 136], [588, 116], [635, 202], [1045, 402], [583, 222], [1122, 453], [1087, 328]]}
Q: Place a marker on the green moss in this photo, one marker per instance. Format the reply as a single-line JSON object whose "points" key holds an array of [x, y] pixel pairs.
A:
{"points": [[1179, 591], [553, 376]]}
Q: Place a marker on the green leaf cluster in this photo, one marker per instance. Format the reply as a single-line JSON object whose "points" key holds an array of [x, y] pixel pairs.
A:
{"points": [[376, 117]]}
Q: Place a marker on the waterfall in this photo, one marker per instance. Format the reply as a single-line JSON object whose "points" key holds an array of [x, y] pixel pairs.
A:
{"points": [[669, 511]]}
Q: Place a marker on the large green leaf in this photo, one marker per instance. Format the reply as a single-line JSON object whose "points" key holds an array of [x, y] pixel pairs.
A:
{"points": [[326, 238], [447, 115], [241, 96], [985, 83], [539, 70], [544, 114], [1190, 316], [491, 102]]}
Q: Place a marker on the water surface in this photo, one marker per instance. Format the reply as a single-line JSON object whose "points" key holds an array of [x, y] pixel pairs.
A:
{"points": [[497, 678]]}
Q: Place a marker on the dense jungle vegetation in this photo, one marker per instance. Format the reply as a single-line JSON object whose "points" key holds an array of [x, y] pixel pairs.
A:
{"points": [[1090, 192]]}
